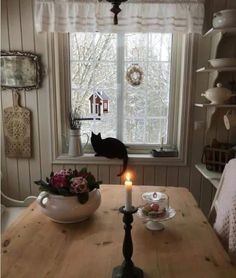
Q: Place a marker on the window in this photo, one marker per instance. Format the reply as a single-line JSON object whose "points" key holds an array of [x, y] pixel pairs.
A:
{"points": [[141, 115]]}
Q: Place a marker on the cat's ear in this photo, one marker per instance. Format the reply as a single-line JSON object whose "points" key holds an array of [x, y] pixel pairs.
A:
{"points": [[99, 134]]}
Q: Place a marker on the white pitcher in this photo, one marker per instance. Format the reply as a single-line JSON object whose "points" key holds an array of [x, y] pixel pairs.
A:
{"points": [[75, 144]]}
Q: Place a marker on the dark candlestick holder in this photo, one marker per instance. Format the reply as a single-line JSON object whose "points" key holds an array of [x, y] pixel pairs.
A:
{"points": [[127, 269]]}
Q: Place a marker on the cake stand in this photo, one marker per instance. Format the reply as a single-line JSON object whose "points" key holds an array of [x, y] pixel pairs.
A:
{"points": [[154, 223]]}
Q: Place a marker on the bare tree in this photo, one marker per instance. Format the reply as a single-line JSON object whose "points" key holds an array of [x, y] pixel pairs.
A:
{"points": [[90, 56]]}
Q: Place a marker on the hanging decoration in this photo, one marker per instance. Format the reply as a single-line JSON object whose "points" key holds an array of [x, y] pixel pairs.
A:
{"points": [[116, 8], [99, 103], [134, 75], [17, 130]]}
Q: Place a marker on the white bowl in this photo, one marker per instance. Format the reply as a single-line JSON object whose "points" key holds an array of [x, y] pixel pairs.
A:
{"points": [[224, 19], [218, 95], [222, 62], [67, 209]]}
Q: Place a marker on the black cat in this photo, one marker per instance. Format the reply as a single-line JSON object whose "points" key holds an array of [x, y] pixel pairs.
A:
{"points": [[110, 148]]}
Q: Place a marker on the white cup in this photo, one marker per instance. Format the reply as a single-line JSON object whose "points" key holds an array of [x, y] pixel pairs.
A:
{"points": [[230, 119]]}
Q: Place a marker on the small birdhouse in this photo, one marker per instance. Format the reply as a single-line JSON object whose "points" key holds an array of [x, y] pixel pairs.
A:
{"points": [[99, 103]]}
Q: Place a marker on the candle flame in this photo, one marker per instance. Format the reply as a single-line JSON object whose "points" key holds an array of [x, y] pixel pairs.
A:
{"points": [[128, 176]]}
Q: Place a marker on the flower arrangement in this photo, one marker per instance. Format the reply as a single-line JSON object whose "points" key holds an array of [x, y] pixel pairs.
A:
{"points": [[70, 183], [74, 120]]}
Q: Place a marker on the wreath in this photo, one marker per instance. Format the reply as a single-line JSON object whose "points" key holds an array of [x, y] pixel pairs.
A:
{"points": [[134, 75]]}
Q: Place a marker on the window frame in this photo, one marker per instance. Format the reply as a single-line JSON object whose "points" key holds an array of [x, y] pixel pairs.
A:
{"points": [[60, 100]]}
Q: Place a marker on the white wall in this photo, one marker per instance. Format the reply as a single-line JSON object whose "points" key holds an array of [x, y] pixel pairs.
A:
{"points": [[17, 33]]}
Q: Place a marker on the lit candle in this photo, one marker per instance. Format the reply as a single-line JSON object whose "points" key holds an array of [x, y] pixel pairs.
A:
{"points": [[128, 193]]}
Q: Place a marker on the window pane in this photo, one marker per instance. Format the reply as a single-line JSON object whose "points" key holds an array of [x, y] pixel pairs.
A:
{"points": [[141, 111], [133, 131], [156, 129], [81, 75], [159, 76], [157, 104], [93, 73], [160, 47], [151, 98], [105, 75], [134, 103], [136, 47], [81, 45], [105, 47]]}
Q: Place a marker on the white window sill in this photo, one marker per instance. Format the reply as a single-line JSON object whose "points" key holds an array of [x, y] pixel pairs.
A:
{"points": [[134, 159]]}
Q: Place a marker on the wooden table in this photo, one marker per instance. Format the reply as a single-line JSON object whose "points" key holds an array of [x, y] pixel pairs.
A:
{"points": [[36, 247]]}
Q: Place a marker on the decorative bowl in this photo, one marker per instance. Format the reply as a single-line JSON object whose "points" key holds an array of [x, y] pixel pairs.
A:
{"points": [[67, 209], [222, 62], [224, 18], [218, 95]]}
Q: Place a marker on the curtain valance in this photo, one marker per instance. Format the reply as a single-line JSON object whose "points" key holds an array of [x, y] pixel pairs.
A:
{"points": [[184, 16]]}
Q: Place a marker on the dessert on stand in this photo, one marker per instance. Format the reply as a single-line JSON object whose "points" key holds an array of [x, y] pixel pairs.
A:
{"points": [[156, 210]]}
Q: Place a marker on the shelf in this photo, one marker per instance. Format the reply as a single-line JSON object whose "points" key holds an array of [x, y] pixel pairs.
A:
{"points": [[211, 110], [206, 69], [215, 105], [213, 31], [213, 177]]}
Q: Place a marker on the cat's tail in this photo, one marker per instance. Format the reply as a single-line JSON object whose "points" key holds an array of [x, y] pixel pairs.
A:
{"points": [[125, 164]]}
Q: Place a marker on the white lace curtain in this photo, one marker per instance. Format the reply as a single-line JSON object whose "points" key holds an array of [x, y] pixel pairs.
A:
{"points": [[184, 16]]}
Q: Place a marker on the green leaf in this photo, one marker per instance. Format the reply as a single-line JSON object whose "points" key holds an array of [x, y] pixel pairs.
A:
{"points": [[83, 171], [64, 191], [41, 182], [90, 179], [83, 197], [48, 189], [75, 173]]}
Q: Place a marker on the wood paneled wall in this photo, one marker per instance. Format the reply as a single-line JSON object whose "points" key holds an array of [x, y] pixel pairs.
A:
{"points": [[17, 33], [18, 175]]}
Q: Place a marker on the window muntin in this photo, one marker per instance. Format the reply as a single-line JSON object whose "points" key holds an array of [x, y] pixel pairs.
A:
{"points": [[137, 115]]}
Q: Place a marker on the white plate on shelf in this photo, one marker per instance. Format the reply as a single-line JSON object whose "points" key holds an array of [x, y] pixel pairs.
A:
{"points": [[222, 62]]}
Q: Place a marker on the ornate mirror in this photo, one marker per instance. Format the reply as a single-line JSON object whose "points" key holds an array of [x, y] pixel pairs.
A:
{"points": [[20, 70]]}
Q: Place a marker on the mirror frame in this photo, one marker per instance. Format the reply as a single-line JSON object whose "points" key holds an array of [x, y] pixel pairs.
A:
{"points": [[38, 70]]}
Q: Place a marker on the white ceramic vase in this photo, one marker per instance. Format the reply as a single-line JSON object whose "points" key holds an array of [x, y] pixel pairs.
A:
{"points": [[75, 144], [67, 209]]}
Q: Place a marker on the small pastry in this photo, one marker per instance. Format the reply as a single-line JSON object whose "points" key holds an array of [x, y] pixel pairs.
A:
{"points": [[153, 210]]}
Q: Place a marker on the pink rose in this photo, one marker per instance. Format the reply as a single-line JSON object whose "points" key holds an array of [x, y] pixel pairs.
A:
{"points": [[79, 185], [64, 172], [58, 181]]}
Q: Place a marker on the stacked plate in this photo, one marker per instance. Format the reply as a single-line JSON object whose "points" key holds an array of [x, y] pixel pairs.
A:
{"points": [[222, 62]]}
